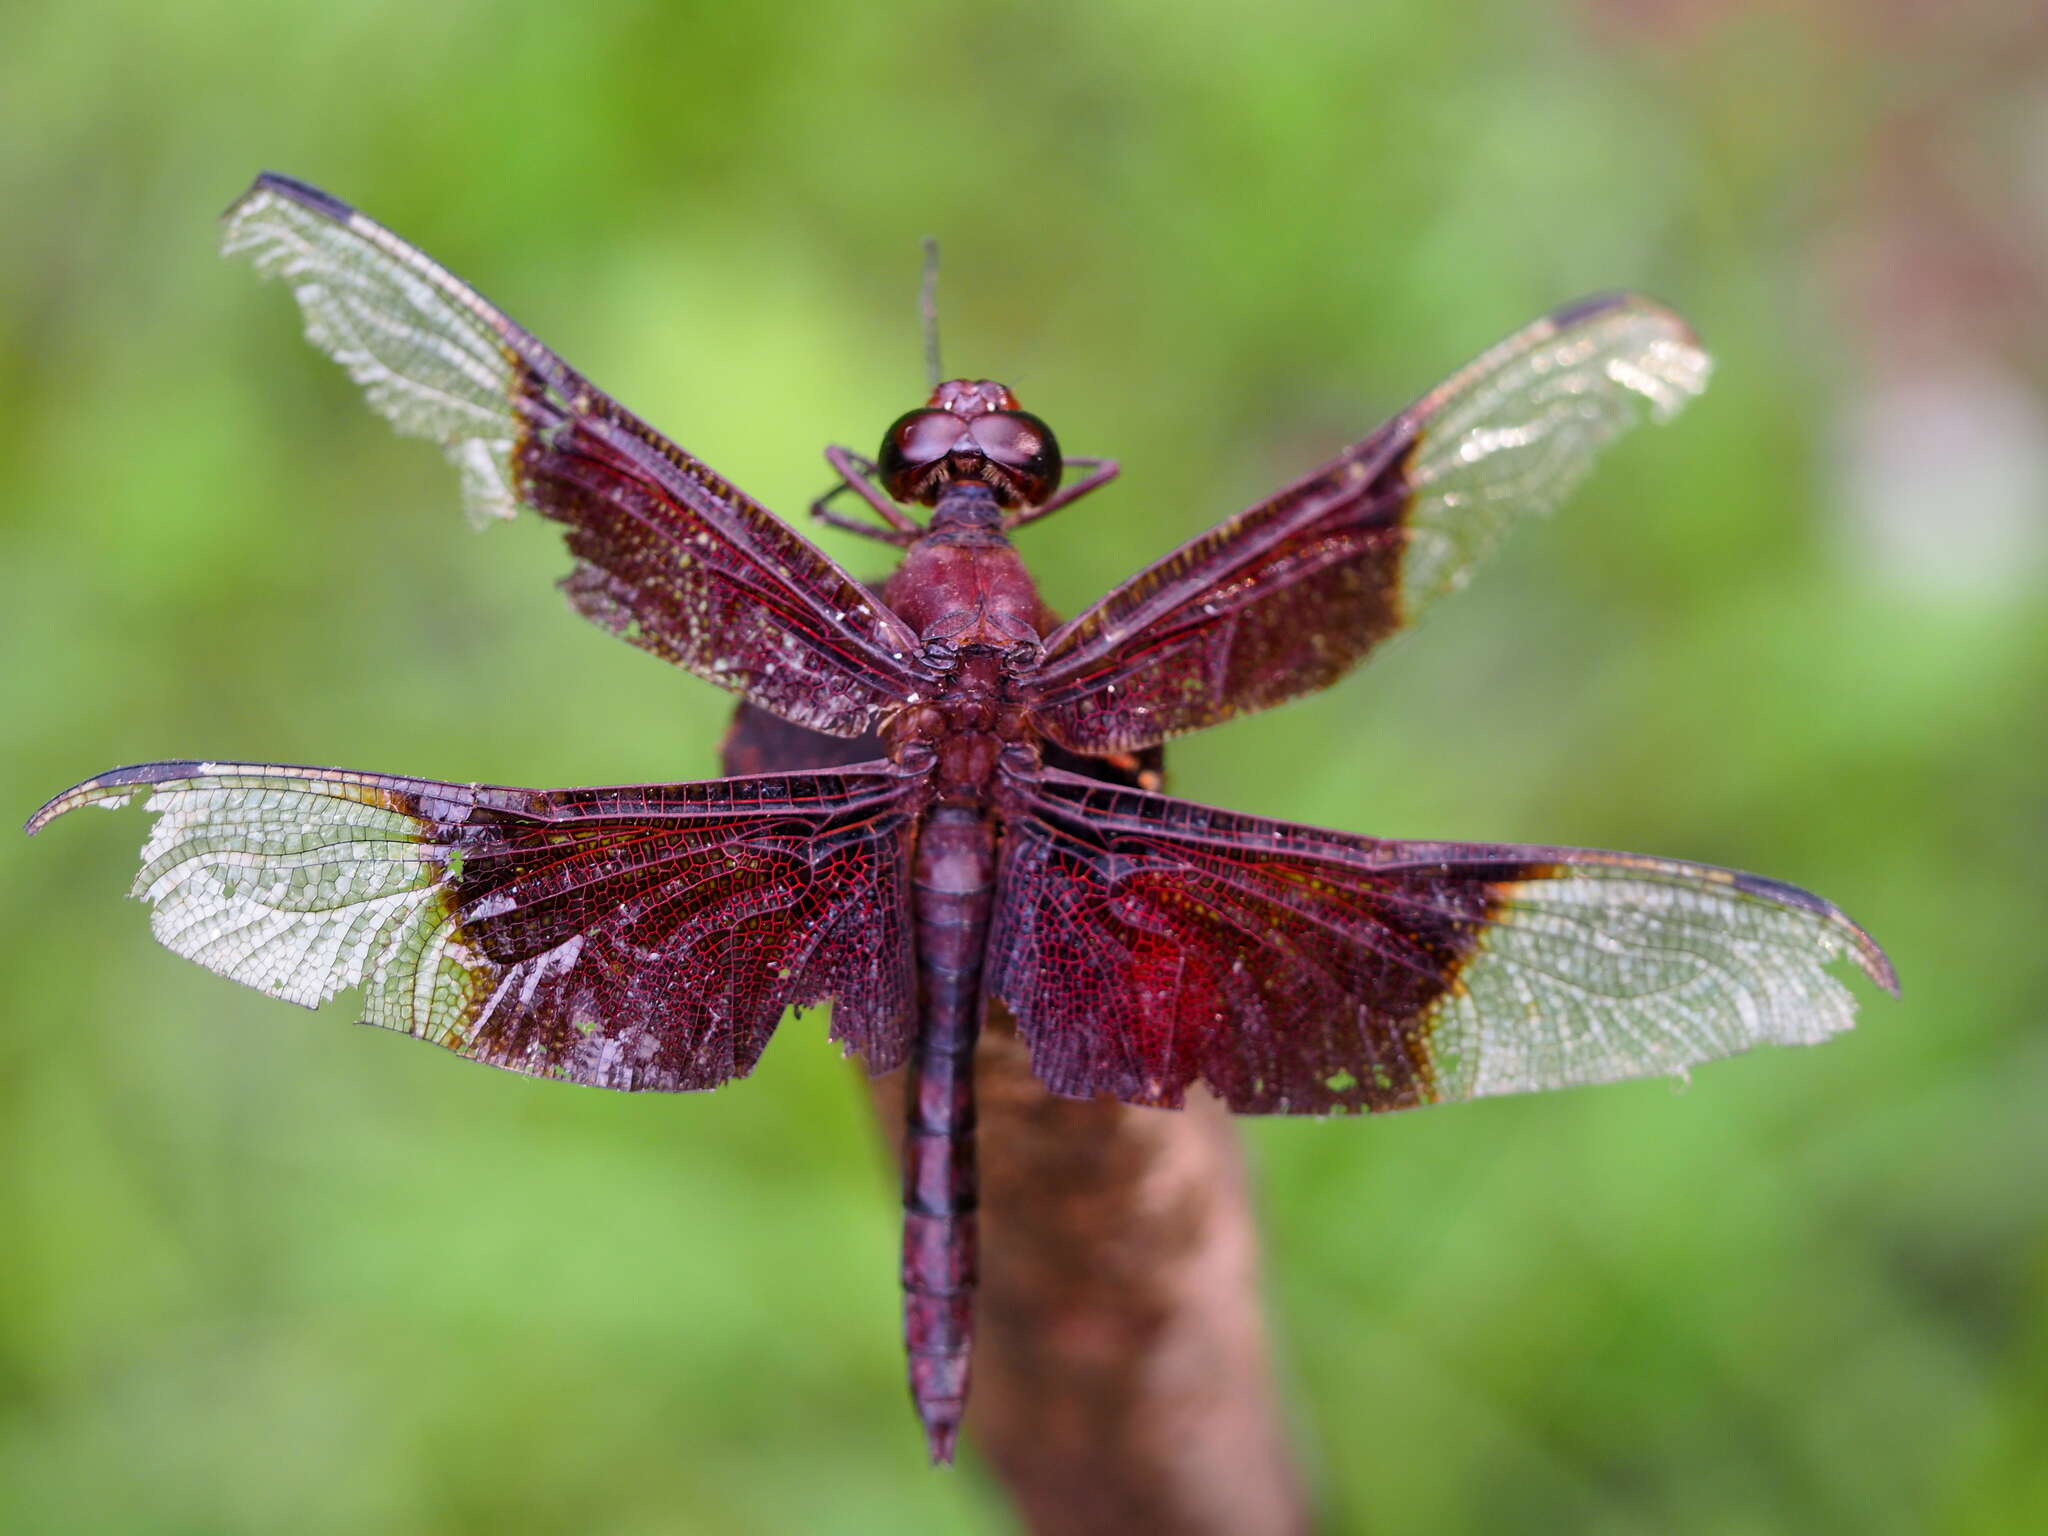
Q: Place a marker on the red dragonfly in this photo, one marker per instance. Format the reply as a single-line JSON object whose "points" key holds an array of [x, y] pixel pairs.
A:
{"points": [[976, 813]]}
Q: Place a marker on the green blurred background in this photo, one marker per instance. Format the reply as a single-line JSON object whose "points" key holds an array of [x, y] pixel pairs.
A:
{"points": [[263, 1272]]}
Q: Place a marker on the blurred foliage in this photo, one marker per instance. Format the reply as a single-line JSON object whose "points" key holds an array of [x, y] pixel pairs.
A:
{"points": [[266, 1273]]}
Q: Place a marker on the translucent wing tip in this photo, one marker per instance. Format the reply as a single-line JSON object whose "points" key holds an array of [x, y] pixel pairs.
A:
{"points": [[113, 789], [1662, 359], [431, 355], [1869, 954]]}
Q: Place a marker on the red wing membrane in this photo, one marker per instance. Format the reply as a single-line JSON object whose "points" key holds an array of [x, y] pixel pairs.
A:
{"points": [[1285, 598], [638, 938], [670, 556], [1146, 944]]}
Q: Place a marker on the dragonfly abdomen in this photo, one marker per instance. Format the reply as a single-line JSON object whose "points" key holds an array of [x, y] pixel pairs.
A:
{"points": [[953, 889]]}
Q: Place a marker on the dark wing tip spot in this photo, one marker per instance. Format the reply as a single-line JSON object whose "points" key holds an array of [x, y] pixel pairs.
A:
{"points": [[1783, 893], [1596, 304], [114, 778], [1585, 309], [301, 192]]}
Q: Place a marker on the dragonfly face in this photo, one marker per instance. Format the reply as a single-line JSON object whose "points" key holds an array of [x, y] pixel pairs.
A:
{"points": [[971, 432]]}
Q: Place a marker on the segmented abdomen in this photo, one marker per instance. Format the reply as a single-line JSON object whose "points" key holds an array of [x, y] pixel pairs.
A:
{"points": [[953, 889]]}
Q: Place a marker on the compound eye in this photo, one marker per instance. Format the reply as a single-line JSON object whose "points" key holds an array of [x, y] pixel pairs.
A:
{"points": [[1023, 445], [914, 442]]}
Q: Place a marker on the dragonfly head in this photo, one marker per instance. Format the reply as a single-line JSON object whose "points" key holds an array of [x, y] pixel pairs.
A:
{"points": [[970, 430]]}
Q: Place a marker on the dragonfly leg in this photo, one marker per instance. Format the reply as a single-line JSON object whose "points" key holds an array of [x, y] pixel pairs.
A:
{"points": [[853, 476], [1100, 473]]}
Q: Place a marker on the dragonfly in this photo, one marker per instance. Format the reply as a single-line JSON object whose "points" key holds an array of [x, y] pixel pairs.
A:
{"points": [[941, 797]]}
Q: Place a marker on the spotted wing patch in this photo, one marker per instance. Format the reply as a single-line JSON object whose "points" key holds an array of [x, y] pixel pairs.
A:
{"points": [[670, 556], [1289, 595], [646, 937], [1146, 944]]}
